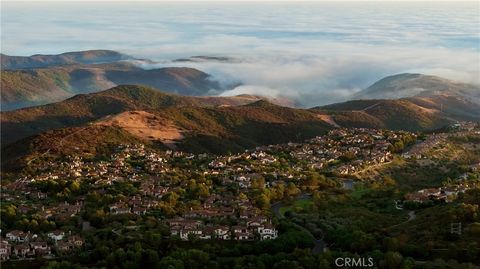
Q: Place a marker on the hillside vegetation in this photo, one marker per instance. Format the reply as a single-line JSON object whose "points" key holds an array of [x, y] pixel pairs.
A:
{"points": [[43, 79], [77, 57], [419, 85], [402, 114]]}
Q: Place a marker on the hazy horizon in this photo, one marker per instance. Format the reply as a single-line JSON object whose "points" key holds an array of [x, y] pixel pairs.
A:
{"points": [[317, 52]]}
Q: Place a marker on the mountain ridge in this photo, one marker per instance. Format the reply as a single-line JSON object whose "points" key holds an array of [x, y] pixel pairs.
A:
{"points": [[24, 88], [406, 85], [83, 108], [75, 57]]}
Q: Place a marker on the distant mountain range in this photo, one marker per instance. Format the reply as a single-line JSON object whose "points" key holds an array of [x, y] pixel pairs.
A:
{"points": [[77, 57], [43, 79]]}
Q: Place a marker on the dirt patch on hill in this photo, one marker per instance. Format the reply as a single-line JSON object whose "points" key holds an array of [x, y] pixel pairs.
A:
{"points": [[328, 119], [146, 125]]}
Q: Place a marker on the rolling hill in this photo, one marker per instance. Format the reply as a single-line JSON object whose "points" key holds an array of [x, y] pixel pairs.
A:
{"points": [[413, 102], [38, 86], [85, 108], [418, 85], [399, 114], [77, 57]]}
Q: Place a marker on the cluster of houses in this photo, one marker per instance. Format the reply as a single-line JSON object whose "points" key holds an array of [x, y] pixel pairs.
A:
{"points": [[247, 221], [188, 229], [418, 150], [342, 151], [446, 194], [356, 148], [19, 244], [363, 147]]}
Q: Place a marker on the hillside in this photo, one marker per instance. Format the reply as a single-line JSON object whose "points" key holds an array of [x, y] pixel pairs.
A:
{"points": [[180, 80], [85, 140], [77, 57], [418, 85], [24, 88], [411, 102], [133, 113], [402, 114], [454, 107], [85, 108]]}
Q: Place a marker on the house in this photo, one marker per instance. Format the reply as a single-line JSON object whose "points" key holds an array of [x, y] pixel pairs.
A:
{"points": [[175, 230], [206, 213], [179, 222], [119, 208], [64, 246], [216, 164], [267, 232], [242, 233], [187, 233], [240, 229], [433, 192], [5, 250], [40, 248], [240, 236], [139, 210], [256, 221], [207, 232], [416, 197], [222, 232], [56, 235], [227, 211], [450, 191], [17, 236], [76, 241], [21, 250]]}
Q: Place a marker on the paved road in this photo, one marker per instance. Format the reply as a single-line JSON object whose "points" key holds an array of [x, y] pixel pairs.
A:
{"points": [[411, 216], [319, 243]]}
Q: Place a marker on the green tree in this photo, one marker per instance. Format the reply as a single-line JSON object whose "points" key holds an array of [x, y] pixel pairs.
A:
{"points": [[169, 262], [61, 265], [292, 190], [393, 259]]}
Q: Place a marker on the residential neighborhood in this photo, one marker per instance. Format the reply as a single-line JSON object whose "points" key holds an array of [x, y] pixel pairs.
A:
{"points": [[189, 196]]}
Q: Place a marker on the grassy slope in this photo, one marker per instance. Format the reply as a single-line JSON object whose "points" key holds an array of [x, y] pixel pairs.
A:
{"points": [[392, 114]]}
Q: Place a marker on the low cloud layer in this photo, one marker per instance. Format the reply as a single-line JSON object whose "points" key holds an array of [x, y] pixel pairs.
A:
{"points": [[332, 72], [317, 53]]}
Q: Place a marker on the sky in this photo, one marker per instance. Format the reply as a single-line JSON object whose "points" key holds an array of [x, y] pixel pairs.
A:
{"points": [[316, 52]]}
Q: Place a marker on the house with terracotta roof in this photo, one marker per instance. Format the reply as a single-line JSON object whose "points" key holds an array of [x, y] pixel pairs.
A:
{"points": [[56, 235], [5, 250], [17, 236], [267, 231]]}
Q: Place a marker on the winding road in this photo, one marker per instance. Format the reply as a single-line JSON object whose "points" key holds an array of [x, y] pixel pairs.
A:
{"points": [[411, 216]]}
